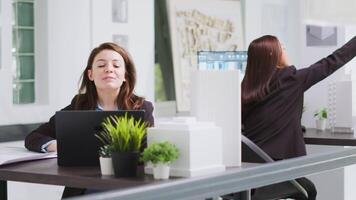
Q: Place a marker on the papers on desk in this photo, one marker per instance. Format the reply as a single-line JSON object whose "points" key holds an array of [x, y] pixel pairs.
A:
{"points": [[17, 154]]}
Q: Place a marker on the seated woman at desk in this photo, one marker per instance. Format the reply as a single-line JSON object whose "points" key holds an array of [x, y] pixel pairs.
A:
{"points": [[107, 83], [272, 97]]}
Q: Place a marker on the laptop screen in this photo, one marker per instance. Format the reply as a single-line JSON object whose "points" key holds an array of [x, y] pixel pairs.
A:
{"points": [[75, 132]]}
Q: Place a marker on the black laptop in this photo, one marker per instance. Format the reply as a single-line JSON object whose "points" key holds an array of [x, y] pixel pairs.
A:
{"points": [[75, 132]]}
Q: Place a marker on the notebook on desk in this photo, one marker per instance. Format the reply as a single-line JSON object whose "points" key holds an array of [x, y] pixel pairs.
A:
{"points": [[75, 132]]}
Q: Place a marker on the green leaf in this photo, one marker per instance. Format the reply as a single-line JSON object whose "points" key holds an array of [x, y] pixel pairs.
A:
{"points": [[123, 134], [321, 114], [163, 152]]}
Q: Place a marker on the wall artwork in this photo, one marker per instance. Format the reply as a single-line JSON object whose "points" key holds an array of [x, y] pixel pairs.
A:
{"points": [[120, 11], [122, 40], [321, 35], [201, 26]]}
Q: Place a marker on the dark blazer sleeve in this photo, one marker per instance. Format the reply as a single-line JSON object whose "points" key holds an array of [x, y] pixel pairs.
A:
{"points": [[326, 66], [148, 107], [44, 133]]}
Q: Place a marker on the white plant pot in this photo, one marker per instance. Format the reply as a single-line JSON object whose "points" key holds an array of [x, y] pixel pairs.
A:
{"points": [[106, 166], [321, 124], [161, 171]]}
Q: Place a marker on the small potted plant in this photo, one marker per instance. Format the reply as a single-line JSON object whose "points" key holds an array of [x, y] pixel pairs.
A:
{"points": [[160, 155], [125, 136], [106, 166], [321, 116]]}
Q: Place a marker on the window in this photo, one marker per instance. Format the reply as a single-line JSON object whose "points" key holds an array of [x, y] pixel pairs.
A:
{"points": [[164, 83], [23, 52]]}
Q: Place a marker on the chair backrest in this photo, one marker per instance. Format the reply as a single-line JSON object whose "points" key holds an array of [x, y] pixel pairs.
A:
{"points": [[249, 152]]}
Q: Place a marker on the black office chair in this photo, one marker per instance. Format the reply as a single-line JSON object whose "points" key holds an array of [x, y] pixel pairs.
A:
{"points": [[252, 153]]}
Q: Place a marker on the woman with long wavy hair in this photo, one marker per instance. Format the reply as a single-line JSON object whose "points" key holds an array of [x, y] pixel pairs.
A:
{"points": [[107, 83]]}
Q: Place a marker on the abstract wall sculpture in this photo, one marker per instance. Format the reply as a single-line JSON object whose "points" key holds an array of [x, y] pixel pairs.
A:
{"points": [[201, 26]]}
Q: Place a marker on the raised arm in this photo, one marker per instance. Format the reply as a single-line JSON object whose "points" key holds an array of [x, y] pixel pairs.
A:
{"points": [[326, 66]]}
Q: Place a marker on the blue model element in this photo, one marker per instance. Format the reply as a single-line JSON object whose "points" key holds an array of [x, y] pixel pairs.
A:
{"points": [[222, 60]]}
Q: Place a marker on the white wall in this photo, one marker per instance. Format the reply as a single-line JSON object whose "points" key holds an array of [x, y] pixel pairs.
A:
{"points": [[140, 32], [274, 17], [340, 11], [72, 29], [68, 47]]}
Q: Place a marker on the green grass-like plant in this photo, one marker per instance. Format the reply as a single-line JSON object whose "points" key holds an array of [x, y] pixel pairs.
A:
{"points": [[321, 114], [163, 152], [123, 134]]}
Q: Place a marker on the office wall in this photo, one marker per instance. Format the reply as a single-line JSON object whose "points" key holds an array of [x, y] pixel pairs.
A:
{"points": [[72, 29], [340, 11], [85, 26], [139, 30], [274, 17], [68, 47]]}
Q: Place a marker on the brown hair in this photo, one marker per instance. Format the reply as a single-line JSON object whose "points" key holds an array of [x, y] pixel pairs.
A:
{"points": [[126, 100], [264, 54]]}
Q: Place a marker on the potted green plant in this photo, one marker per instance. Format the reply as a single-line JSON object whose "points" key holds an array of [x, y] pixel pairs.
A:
{"points": [[160, 155], [321, 116], [106, 166], [125, 135]]}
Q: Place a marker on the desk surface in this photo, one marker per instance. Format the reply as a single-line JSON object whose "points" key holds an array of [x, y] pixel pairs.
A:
{"points": [[145, 188], [44, 171], [89, 177], [48, 172], [314, 136]]}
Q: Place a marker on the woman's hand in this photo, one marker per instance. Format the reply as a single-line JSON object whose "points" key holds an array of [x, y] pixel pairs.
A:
{"points": [[52, 147]]}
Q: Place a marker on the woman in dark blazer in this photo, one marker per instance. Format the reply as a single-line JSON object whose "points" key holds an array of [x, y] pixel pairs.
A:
{"points": [[272, 96], [107, 83]]}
